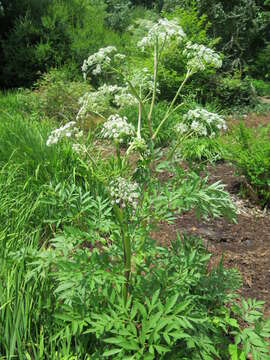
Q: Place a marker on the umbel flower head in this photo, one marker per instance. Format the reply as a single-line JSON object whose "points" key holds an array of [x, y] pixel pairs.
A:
{"points": [[201, 122], [68, 130], [200, 57], [117, 128], [163, 31], [100, 60], [124, 193]]}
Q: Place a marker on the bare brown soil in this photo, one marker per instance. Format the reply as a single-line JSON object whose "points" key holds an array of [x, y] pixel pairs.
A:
{"points": [[252, 120], [245, 245]]}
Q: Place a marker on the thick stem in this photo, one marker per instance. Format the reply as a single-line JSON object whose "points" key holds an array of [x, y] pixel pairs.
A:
{"points": [[139, 121], [169, 111], [126, 249], [149, 117], [127, 260]]}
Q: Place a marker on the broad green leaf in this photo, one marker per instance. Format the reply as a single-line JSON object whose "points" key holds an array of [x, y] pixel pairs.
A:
{"points": [[112, 352]]}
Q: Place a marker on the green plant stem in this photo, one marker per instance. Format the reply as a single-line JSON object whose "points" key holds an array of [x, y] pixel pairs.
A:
{"points": [[118, 154], [126, 249], [178, 142], [149, 117], [139, 121], [169, 111], [127, 260]]}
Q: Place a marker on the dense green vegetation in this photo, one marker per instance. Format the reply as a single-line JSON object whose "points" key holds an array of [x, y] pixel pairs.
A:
{"points": [[91, 153]]}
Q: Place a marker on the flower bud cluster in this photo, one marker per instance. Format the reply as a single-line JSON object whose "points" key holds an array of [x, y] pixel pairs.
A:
{"points": [[201, 122], [164, 30], [124, 193], [117, 128], [142, 79], [100, 60], [100, 100], [68, 130], [200, 57], [139, 145]]}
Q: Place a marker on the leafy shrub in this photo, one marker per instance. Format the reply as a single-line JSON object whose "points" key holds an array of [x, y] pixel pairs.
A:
{"points": [[249, 150], [56, 95], [231, 91]]}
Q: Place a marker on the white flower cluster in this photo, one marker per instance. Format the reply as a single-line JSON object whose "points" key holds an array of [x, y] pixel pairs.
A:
{"points": [[100, 100], [142, 79], [124, 193], [201, 122], [200, 57], [100, 60], [164, 30], [68, 130], [117, 128], [181, 128], [124, 98], [79, 149]]}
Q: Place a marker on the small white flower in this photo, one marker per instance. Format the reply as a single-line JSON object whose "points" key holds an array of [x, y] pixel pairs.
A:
{"points": [[201, 122], [117, 128], [67, 130], [124, 192], [164, 30], [80, 149], [181, 128], [199, 57], [97, 61]]}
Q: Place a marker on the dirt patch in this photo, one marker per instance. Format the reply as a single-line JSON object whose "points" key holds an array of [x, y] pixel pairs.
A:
{"points": [[245, 245], [251, 120]]}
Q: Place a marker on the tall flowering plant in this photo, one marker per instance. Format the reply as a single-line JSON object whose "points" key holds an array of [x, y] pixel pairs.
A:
{"points": [[138, 88]]}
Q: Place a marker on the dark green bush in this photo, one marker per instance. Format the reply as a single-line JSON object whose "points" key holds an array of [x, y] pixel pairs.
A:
{"points": [[63, 32], [261, 66], [230, 91], [241, 25]]}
